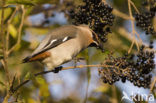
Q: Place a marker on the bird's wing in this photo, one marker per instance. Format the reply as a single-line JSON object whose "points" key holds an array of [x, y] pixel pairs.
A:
{"points": [[53, 39]]}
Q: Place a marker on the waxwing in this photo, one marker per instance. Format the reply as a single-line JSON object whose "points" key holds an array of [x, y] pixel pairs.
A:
{"points": [[63, 44]]}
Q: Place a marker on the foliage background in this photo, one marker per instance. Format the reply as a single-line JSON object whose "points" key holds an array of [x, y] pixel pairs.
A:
{"points": [[69, 86]]}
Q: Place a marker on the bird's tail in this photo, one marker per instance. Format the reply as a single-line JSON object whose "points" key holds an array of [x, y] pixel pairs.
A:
{"points": [[36, 57], [27, 59]]}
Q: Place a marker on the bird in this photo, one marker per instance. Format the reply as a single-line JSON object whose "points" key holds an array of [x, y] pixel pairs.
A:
{"points": [[62, 44]]}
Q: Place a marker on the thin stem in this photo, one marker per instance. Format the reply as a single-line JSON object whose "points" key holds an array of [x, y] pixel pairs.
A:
{"points": [[65, 68], [138, 37], [130, 49], [133, 27], [121, 15], [8, 22], [152, 86], [6, 98], [5, 56], [4, 45], [126, 34], [134, 7], [104, 1], [19, 30], [114, 93]]}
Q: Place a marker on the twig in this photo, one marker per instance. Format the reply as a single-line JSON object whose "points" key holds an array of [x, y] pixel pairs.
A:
{"points": [[134, 7], [2, 62], [121, 15], [6, 98], [65, 68], [12, 84], [126, 34], [130, 17], [138, 37], [5, 56], [1, 50], [8, 22], [19, 31], [154, 24], [104, 1], [132, 44], [88, 79], [133, 28], [5, 63], [152, 86], [114, 93]]}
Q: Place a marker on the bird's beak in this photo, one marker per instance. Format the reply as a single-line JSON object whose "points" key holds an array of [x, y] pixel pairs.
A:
{"points": [[98, 43], [101, 47]]}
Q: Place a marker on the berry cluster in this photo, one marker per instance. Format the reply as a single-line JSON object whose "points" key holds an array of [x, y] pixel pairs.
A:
{"points": [[134, 68], [144, 20], [97, 15]]}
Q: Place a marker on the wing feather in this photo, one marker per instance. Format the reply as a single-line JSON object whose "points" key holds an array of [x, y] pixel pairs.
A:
{"points": [[54, 38], [52, 44]]}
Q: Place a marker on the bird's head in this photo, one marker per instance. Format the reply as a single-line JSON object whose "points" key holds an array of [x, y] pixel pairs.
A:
{"points": [[97, 42]]}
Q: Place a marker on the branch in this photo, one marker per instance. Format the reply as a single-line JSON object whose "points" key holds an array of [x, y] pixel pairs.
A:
{"points": [[19, 31], [1, 50], [5, 56], [8, 22], [132, 3], [152, 86], [104, 1], [65, 68], [121, 15], [133, 28], [5, 63], [126, 34]]}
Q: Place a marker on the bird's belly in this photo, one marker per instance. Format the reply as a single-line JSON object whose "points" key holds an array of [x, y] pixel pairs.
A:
{"points": [[62, 54]]}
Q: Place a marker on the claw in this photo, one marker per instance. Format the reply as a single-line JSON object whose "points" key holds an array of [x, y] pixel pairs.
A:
{"points": [[57, 69]]}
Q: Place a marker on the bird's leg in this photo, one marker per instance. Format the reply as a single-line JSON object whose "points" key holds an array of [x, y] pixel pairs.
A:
{"points": [[77, 59], [57, 69]]}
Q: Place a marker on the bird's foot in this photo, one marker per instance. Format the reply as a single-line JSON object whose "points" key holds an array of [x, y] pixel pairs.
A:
{"points": [[78, 59], [57, 69]]}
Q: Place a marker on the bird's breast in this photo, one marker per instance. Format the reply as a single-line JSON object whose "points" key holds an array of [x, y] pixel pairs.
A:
{"points": [[63, 53]]}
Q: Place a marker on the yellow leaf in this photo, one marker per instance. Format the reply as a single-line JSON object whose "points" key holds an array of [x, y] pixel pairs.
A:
{"points": [[34, 44], [102, 88], [30, 100], [40, 80], [27, 76], [12, 31], [44, 90], [39, 31], [17, 47]]}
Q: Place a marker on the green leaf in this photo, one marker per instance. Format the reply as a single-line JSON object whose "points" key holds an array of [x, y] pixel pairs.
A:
{"points": [[24, 2], [88, 74], [39, 31], [27, 76], [40, 80], [1, 83], [31, 100], [102, 88], [44, 90], [12, 30]]}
